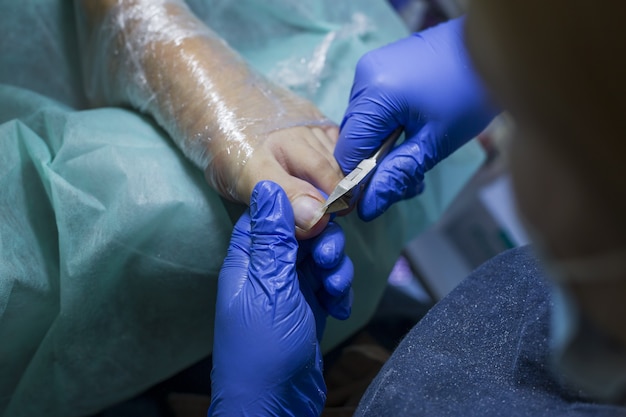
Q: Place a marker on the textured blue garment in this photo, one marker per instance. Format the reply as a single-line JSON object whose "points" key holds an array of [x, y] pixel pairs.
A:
{"points": [[482, 351]]}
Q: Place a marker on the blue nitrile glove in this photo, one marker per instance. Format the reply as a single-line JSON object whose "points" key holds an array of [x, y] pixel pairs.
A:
{"points": [[426, 84], [272, 301]]}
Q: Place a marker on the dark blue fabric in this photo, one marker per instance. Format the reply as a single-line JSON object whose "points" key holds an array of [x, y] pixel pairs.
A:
{"points": [[481, 351]]}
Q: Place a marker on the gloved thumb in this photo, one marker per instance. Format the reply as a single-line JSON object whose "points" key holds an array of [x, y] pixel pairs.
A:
{"points": [[400, 175], [274, 248], [361, 134]]}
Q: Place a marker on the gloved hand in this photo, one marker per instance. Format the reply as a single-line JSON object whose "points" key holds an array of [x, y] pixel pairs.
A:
{"points": [[426, 84], [272, 301]]}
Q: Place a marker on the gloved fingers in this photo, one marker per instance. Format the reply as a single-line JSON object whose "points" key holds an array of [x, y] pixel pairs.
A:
{"points": [[432, 140], [361, 134], [337, 307], [399, 176], [328, 290], [338, 280], [273, 248], [327, 249], [376, 107]]}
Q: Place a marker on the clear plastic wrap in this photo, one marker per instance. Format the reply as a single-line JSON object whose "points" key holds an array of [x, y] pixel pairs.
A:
{"points": [[156, 56]]}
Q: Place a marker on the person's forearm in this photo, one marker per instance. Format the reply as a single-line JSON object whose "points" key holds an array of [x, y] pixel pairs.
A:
{"points": [[156, 56]]}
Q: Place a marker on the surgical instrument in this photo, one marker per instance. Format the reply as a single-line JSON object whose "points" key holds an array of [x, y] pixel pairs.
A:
{"points": [[344, 195]]}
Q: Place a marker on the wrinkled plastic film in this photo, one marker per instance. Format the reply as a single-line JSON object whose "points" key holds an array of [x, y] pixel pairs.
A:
{"points": [[305, 74], [154, 55]]}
